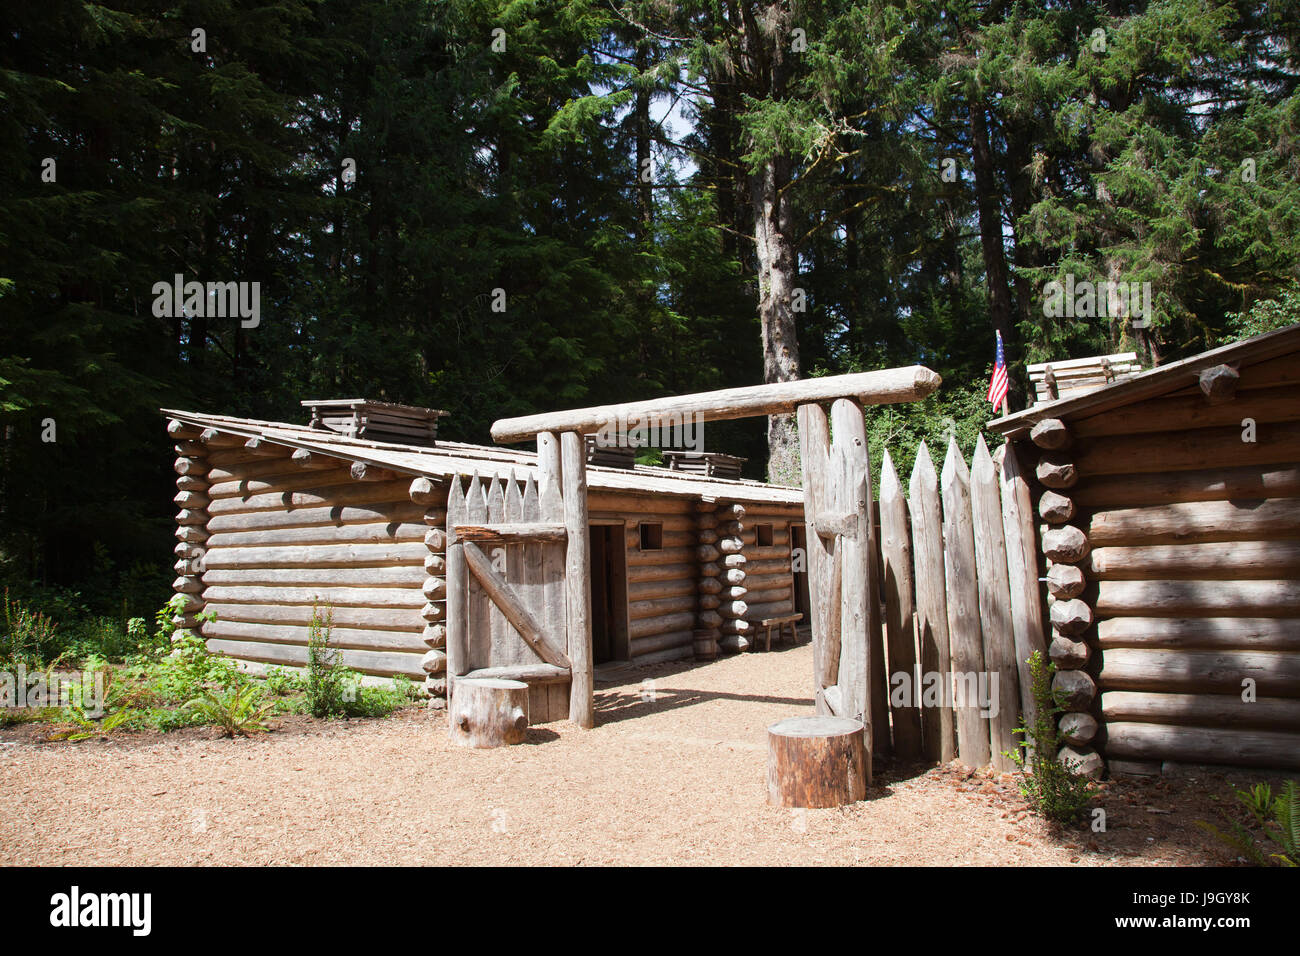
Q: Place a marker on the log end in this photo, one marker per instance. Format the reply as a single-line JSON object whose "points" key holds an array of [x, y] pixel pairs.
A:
{"points": [[1084, 760], [925, 380]]}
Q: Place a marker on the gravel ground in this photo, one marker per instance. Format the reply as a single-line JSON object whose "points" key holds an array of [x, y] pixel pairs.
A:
{"points": [[673, 774]]}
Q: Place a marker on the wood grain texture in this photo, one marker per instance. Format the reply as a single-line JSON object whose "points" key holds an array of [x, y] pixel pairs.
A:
{"points": [[1144, 741], [896, 552], [939, 732], [816, 762], [996, 627], [963, 604], [577, 579]]}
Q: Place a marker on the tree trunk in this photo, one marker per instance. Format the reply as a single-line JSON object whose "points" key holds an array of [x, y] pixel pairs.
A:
{"points": [[641, 120], [766, 28], [776, 282], [987, 201], [1021, 192], [816, 762]]}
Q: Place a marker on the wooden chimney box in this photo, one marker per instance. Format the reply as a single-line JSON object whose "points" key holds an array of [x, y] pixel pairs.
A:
{"points": [[611, 456], [376, 421]]}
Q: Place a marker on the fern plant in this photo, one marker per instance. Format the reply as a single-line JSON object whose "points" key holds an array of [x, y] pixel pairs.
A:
{"points": [[1276, 823], [237, 710], [85, 727]]}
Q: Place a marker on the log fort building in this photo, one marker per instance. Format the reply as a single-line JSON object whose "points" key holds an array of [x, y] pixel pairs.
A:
{"points": [[1170, 504]]}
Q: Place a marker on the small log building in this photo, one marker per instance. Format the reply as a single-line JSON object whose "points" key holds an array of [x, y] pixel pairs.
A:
{"points": [[1170, 504], [276, 518]]}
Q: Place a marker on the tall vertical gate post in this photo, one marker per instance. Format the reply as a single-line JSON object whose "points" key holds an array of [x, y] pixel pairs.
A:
{"points": [[851, 484], [814, 451], [577, 579], [841, 539]]}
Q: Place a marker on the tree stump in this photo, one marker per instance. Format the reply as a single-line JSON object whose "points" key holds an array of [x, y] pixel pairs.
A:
{"points": [[486, 712], [816, 762]]}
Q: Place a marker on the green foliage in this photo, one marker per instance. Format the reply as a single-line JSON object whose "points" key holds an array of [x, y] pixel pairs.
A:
{"points": [[171, 680], [1270, 831], [50, 623], [380, 701], [279, 682], [328, 682], [238, 710], [1054, 789], [190, 670], [84, 727], [1265, 315], [334, 690], [28, 638]]}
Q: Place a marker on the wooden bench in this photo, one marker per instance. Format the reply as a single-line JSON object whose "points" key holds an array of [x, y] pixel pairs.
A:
{"points": [[780, 623]]}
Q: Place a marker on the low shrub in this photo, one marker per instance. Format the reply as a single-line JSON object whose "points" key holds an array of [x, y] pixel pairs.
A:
{"points": [[1053, 790], [167, 678], [334, 690]]}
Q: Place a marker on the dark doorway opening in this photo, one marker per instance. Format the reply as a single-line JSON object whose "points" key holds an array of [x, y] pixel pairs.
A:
{"points": [[609, 640]]}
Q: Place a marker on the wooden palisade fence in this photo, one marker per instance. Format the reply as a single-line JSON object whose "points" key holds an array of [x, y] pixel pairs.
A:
{"points": [[956, 585]]}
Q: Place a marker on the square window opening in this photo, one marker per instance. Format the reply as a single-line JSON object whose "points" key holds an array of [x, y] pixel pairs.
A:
{"points": [[763, 535], [652, 536]]}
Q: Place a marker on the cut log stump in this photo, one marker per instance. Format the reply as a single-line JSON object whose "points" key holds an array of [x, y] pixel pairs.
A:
{"points": [[488, 712], [816, 762]]}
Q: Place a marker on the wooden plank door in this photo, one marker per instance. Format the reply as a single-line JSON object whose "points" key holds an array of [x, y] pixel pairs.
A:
{"points": [[505, 573]]}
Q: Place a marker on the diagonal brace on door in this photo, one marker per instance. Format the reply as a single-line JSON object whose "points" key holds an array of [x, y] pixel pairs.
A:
{"points": [[498, 589]]}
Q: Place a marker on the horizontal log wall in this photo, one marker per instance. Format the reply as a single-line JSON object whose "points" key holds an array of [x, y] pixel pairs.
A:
{"points": [[283, 535], [661, 584], [1193, 531]]}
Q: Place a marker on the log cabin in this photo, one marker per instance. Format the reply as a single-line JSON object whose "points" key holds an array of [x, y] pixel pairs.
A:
{"points": [[350, 513], [1170, 540]]}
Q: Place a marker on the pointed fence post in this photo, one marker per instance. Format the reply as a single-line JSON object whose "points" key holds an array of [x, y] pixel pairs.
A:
{"points": [[995, 608], [896, 552], [1022, 571], [963, 609], [478, 606], [938, 732], [457, 632]]}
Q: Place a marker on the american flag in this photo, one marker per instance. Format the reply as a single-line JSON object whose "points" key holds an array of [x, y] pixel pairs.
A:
{"points": [[999, 384]]}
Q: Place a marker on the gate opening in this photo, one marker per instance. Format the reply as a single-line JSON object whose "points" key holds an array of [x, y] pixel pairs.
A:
{"points": [[609, 638]]}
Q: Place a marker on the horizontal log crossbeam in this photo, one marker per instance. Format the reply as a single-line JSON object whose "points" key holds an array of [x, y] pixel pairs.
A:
{"points": [[882, 387], [512, 532]]}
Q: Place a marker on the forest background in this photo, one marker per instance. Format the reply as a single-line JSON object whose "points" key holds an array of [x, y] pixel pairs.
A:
{"points": [[500, 206]]}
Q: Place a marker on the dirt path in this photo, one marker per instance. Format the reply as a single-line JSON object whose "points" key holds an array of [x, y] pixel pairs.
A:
{"points": [[674, 774]]}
